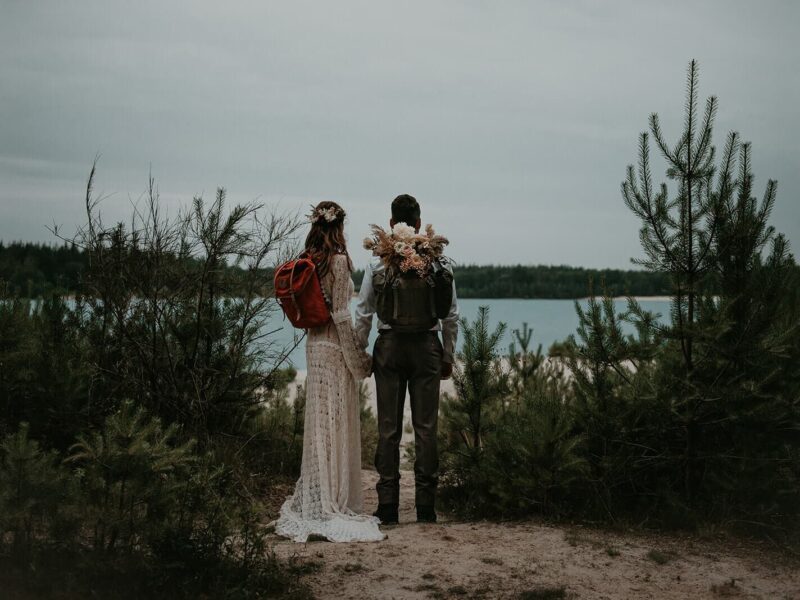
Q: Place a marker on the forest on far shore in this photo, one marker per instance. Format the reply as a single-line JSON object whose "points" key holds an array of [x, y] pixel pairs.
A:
{"points": [[39, 270], [552, 282]]}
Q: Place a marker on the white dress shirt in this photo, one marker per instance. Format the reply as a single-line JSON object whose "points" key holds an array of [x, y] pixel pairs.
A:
{"points": [[365, 308]]}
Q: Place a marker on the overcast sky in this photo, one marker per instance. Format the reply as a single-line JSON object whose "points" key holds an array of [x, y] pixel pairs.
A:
{"points": [[511, 122]]}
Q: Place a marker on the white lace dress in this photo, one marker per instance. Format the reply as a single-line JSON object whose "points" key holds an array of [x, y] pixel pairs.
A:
{"points": [[327, 499]]}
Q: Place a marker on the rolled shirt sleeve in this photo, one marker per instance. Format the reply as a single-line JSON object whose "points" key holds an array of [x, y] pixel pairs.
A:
{"points": [[365, 308], [450, 329]]}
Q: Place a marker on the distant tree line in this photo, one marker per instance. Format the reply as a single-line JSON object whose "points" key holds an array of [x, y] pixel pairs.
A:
{"points": [[541, 281], [557, 282], [35, 270]]}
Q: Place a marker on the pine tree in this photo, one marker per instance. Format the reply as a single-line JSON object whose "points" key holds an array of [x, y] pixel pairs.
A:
{"points": [[722, 366], [678, 233], [534, 460], [33, 491], [612, 399], [523, 362], [678, 236], [134, 472], [478, 380], [469, 416]]}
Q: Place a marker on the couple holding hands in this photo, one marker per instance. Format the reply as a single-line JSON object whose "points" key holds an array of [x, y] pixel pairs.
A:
{"points": [[409, 285]]}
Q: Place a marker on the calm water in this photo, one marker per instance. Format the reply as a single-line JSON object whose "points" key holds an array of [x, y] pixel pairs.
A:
{"points": [[551, 320]]}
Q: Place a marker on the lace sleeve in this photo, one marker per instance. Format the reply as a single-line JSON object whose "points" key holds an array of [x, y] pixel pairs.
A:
{"points": [[358, 361]]}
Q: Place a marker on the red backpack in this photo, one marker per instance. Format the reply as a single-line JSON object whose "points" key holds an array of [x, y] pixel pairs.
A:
{"points": [[300, 293]]}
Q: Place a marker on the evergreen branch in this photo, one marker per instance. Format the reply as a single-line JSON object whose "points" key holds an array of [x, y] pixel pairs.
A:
{"points": [[691, 104], [704, 142], [655, 129]]}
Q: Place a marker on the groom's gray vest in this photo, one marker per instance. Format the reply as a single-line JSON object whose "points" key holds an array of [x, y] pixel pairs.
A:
{"points": [[410, 303]]}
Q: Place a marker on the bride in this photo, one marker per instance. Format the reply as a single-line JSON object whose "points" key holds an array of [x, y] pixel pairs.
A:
{"points": [[327, 499]]}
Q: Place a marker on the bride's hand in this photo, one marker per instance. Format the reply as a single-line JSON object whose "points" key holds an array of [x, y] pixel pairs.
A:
{"points": [[361, 366], [367, 365]]}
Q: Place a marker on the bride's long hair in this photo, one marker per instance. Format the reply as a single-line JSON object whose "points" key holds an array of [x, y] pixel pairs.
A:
{"points": [[326, 237]]}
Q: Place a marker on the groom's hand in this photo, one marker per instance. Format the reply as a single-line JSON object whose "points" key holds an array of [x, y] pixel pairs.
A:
{"points": [[447, 370]]}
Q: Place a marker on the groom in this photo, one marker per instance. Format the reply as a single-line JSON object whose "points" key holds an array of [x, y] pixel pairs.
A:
{"points": [[409, 360]]}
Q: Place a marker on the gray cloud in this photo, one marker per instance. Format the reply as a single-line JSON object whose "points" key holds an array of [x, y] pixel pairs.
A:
{"points": [[511, 122]]}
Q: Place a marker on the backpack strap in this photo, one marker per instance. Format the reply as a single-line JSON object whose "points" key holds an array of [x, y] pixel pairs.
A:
{"points": [[432, 296], [292, 294], [291, 290]]}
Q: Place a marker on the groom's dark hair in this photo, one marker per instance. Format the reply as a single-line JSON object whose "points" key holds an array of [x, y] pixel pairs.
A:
{"points": [[405, 209]]}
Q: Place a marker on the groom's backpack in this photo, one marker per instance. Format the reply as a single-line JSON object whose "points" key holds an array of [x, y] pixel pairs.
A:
{"points": [[300, 294], [410, 303]]}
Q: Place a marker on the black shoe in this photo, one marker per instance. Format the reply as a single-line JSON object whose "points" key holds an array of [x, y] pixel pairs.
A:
{"points": [[426, 514], [387, 513]]}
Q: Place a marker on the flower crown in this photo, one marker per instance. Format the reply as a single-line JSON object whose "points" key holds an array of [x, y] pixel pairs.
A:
{"points": [[328, 215]]}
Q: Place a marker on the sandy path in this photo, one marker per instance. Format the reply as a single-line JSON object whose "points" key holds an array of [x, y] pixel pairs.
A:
{"points": [[528, 560]]}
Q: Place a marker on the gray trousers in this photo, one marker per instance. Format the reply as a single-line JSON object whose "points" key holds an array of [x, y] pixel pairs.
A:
{"points": [[410, 361]]}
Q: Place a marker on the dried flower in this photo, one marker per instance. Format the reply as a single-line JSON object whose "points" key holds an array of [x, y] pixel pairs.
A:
{"points": [[405, 249], [403, 231], [329, 214]]}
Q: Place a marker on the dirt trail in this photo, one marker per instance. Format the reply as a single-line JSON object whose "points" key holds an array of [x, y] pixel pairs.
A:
{"points": [[529, 560]]}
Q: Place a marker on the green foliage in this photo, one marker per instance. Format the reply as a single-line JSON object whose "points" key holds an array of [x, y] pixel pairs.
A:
{"points": [[535, 457], [132, 473], [478, 380], [522, 362], [273, 434], [34, 492], [697, 419], [679, 423], [467, 416], [612, 398], [161, 492], [509, 443], [510, 446], [727, 368], [42, 358], [148, 504]]}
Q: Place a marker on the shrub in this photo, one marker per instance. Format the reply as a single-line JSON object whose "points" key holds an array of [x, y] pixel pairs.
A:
{"points": [[510, 448], [119, 497], [36, 494], [136, 505]]}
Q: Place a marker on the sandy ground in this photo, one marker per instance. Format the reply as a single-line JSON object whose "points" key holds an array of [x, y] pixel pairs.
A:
{"points": [[530, 560]]}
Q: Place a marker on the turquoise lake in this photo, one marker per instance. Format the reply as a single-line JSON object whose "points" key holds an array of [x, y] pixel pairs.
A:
{"points": [[551, 320]]}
